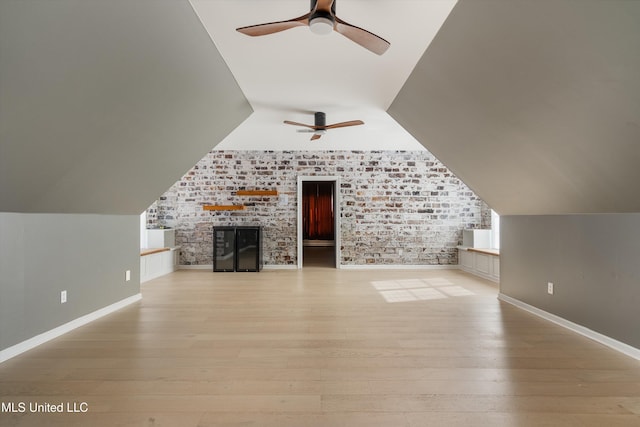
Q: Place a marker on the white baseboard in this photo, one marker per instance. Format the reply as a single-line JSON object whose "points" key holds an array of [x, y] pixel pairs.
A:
{"points": [[596, 336], [20, 348], [398, 267], [344, 267], [279, 267], [264, 267], [196, 267]]}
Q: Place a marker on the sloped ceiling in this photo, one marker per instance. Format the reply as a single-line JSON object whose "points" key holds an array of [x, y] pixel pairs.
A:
{"points": [[534, 104], [105, 104]]}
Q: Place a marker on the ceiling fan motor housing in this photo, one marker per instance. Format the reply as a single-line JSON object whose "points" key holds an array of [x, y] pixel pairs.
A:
{"points": [[320, 119]]}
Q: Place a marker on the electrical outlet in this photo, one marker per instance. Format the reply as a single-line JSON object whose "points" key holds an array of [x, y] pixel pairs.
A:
{"points": [[127, 275], [400, 252], [550, 288], [63, 297]]}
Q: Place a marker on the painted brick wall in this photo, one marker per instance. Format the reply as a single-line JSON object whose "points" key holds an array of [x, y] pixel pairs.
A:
{"points": [[392, 202]]}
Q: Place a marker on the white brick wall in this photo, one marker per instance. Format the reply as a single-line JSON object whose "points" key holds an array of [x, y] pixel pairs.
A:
{"points": [[390, 201]]}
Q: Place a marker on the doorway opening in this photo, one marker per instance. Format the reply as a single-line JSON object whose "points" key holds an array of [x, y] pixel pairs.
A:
{"points": [[318, 222]]}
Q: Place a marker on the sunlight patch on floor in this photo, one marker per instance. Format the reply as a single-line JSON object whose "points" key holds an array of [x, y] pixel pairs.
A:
{"points": [[419, 289]]}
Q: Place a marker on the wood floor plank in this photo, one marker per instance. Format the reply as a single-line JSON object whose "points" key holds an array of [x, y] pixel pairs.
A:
{"points": [[323, 347]]}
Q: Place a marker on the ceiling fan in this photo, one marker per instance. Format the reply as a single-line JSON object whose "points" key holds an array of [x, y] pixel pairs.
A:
{"points": [[320, 127], [322, 19]]}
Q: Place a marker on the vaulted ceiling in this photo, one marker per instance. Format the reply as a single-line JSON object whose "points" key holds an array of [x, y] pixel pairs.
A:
{"points": [[535, 105]]}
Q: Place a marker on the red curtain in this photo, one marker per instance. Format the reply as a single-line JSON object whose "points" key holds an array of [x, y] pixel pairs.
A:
{"points": [[317, 206]]}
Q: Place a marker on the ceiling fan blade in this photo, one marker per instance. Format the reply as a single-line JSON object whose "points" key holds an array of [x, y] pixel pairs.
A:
{"points": [[274, 27], [288, 122], [305, 130], [364, 38], [345, 124], [315, 136]]}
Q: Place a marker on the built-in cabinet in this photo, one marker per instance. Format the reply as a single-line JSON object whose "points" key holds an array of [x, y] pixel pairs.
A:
{"points": [[237, 249], [475, 256], [158, 263], [481, 262], [160, 257], [466, 259]]}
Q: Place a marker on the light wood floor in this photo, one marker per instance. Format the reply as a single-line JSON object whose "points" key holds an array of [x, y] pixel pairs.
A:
{"points": [[324, 347], [319, 256]]}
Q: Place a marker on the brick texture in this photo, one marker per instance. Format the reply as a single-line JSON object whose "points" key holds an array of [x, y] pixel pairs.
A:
{"points": [[397, 208]]}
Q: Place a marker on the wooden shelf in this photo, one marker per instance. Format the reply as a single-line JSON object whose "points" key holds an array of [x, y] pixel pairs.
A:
{"points": [[146, 252], [257, 193], [223, 207], [495, 252]]}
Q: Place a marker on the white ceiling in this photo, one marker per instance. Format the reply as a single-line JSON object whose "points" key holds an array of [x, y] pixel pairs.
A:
{"points": [[291, 74]]}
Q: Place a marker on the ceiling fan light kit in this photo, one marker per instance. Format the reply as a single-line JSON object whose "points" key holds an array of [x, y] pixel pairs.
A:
{"points": [[322, 19], [321, 26]]}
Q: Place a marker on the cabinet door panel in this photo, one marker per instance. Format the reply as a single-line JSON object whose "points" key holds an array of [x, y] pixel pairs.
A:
{"points": [[247, 241], [224, 249]]}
